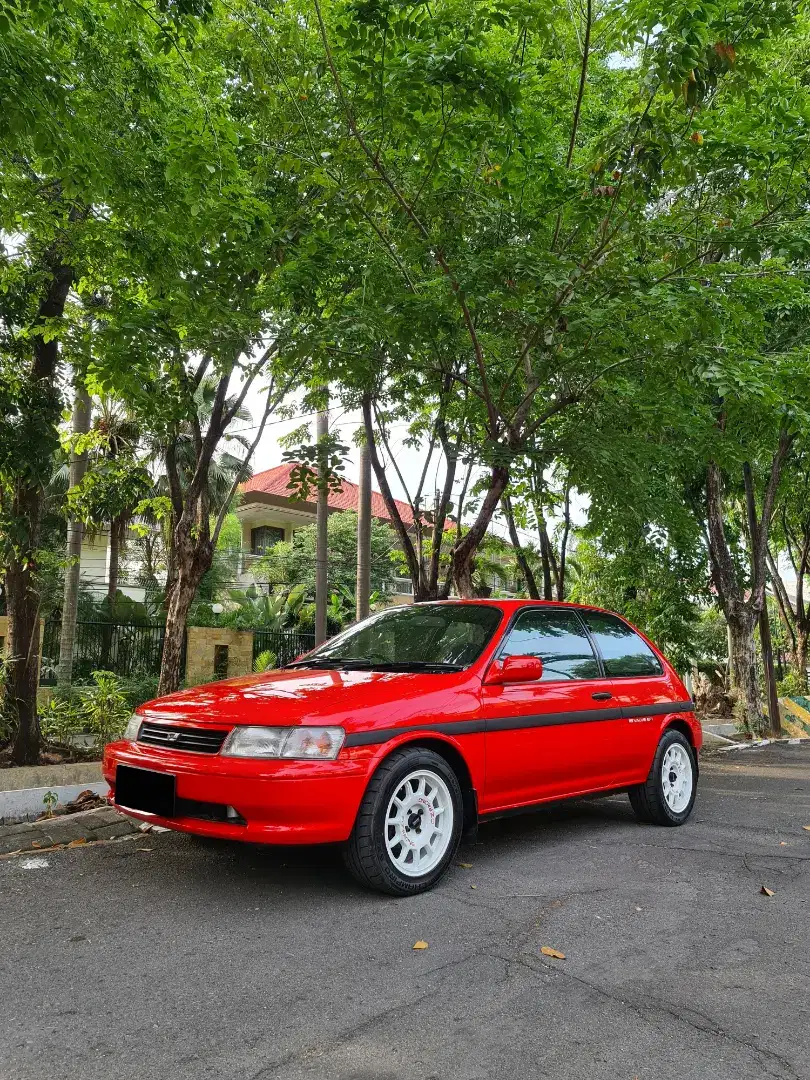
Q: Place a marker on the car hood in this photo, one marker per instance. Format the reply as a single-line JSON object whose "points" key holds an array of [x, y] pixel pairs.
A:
{"points": [[352, 699]]}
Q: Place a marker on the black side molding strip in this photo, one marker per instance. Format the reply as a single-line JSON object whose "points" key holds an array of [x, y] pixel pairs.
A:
{"points": [[381, 735], [658, 709], [513, 723]]}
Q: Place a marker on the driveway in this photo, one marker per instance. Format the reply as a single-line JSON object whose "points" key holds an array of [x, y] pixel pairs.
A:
{"points": [[165, 957]]}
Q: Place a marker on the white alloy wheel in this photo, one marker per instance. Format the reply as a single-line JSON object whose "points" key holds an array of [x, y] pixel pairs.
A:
{"points": [[419, 823], [676, 778]]}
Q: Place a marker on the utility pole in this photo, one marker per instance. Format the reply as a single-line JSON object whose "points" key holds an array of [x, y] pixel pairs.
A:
{"points": [[73, 549], [321, 513], [364, 533]]}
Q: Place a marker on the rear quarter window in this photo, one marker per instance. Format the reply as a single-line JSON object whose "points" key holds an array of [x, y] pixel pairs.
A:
{"points": [[623, 651]]}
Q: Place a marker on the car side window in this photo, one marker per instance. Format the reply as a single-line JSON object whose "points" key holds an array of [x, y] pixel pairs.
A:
{"points": [[623, 651], [557, 637]]}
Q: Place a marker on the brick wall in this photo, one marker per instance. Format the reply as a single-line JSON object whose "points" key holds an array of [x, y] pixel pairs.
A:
{"points": [[206, 659]]}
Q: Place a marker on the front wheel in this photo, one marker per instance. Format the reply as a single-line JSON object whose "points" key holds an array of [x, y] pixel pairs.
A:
{"points": [[668, 795], [409, 824]]}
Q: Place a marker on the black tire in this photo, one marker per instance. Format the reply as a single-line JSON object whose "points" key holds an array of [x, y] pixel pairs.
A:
{"points": [[648, 799], [366, 854]]}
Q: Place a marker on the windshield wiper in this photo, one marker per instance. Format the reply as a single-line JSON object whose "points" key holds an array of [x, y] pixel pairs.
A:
{"points": [[333, 662], [417, 665], [359, 663]]}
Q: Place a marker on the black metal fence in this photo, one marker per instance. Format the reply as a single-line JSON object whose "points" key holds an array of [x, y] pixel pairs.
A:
{"points": [[284, 644], [127, 649], [130, 650]]}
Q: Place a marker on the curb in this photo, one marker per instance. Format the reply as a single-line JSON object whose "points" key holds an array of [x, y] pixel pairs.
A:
{"points": [[48, 776], [26, 804], [71, 830]]}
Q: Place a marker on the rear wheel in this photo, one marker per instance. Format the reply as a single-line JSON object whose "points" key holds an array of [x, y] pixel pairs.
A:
{"points": [[409, 824], [668, 795]]}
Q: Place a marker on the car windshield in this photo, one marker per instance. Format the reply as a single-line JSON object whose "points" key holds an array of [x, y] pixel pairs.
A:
{"points": [[424, 637]]}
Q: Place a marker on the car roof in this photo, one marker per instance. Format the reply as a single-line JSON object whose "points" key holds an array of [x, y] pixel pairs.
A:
{"points": [[511, 604]]}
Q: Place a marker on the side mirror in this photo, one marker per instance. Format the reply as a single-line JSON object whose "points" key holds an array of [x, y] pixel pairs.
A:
{"points": [[515, 669]]}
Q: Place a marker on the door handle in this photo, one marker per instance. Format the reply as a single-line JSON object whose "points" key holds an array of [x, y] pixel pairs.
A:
{"points": [[604, 695]]}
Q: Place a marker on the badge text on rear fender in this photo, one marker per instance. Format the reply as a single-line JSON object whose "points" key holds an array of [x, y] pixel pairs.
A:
{"points": [[639, 720]]}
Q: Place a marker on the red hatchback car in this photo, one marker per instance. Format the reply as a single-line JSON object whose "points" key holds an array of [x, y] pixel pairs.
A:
{"points": [[411, 727]]}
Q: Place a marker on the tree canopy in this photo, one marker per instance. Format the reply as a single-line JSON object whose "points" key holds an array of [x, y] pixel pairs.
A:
{"points": [[565, 246]]}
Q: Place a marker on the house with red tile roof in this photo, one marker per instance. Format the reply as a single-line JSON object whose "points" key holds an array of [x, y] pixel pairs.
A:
{"points": [[269, 513], [267, 498]]}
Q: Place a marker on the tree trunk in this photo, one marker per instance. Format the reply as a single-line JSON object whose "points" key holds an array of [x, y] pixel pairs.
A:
{"points": [[73, 551], [23, 669], [564, 541], [766, 647], [321, 540], [800, 656], [744, 674], [171, 665], [405, 540], [546, 556], [193, 560], [520, 554], [742, 614], [465, 549], [116, 532], [28, 500], [364, 535]]}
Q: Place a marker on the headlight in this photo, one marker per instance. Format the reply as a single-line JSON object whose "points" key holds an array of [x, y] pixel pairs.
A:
{"points": [[300, 743], [132, 728]]}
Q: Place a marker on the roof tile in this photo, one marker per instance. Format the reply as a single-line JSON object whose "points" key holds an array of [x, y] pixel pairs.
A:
{"points": [[276, 482]]}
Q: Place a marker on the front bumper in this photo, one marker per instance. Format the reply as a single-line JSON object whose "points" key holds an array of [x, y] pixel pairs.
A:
{"points": [[280, 802]]}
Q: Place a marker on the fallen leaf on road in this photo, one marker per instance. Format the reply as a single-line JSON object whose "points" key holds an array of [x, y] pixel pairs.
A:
{"points": [[421, 945], [766, 891], [547, 951], [78, 842], [465, 865], [149, 849], [806, 828], [473, 886], [783, 843]]}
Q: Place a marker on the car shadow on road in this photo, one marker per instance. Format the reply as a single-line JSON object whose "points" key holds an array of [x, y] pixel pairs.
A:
{"points": [[291, 871], [557, 820]]}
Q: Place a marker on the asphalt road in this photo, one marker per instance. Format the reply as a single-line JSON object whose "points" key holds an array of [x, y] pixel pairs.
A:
{"points": [[192, 960]]}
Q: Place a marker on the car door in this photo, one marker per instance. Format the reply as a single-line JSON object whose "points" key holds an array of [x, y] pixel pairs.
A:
{"points": [[641, 687], [554, 736]]}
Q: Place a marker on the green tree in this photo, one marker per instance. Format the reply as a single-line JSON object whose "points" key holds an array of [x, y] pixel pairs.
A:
{"points": [[293, 562], [658, 587], [516, 180], [78, 113]]}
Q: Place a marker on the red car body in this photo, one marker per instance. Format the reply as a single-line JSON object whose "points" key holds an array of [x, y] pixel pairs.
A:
{"points": [[513, 745]]}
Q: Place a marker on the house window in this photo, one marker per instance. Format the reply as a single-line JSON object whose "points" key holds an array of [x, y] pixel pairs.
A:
{"points": [[264, 538]]}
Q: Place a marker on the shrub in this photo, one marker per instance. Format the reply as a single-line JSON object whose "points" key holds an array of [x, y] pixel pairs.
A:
{"points": [[139, 688], [60, 719], [265, 661], [104, 707], [792, 685]]}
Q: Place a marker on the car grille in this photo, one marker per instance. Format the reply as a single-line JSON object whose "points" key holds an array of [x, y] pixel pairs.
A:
{"points": [[199, 740]]}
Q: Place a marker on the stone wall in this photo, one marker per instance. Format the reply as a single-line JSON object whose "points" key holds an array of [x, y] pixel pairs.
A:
{"points": [[214, 652], [4, 635]]}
